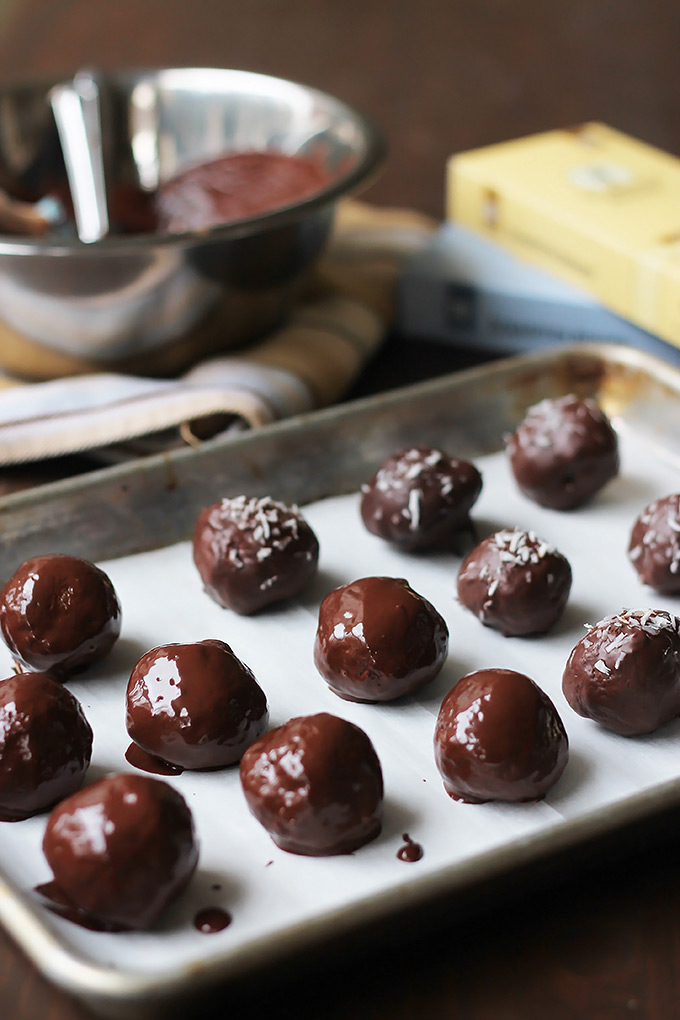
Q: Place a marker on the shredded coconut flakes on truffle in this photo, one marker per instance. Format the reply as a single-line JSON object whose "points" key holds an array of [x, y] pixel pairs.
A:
{"points": [[651, 621], [520, 547], [272, 524], [414, 497]]}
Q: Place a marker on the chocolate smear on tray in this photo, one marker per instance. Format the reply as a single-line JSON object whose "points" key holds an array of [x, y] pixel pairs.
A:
{"points": [[54, 898], [140, 759], [211, 920], [410, 851]]}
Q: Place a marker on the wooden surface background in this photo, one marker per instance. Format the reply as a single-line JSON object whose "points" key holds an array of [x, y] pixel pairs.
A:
{"points": [[437, 75], [596, 934]]}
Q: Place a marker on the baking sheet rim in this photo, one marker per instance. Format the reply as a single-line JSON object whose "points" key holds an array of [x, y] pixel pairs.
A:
{"points": [[605, 353], [99, 984], [23, 919]]}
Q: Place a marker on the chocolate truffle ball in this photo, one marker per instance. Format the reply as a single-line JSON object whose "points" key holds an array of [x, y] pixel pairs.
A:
{"points": [[419, 498], [253, 552], [563, 452], [195, 705], [122, 849], [45, 745], [58, 614], [316, 785], [498, 736], [654, 547], [378, 639], [625, 672], [515, 583]]}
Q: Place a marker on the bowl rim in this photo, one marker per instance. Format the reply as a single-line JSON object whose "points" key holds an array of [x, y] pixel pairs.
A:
{"points": [[375, 150]]}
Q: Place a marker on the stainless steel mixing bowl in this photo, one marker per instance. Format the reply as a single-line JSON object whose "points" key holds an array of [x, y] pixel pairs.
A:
{"points": [[129, 296]]}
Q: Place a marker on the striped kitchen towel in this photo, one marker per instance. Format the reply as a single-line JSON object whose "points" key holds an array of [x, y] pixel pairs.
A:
{"points": [[308, 363]]}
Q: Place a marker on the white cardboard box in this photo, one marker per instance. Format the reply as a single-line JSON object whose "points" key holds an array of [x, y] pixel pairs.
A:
{"points": [[467, 291]]}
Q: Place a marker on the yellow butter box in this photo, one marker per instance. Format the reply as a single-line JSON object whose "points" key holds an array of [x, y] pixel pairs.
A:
{"points": [[590, 204]]}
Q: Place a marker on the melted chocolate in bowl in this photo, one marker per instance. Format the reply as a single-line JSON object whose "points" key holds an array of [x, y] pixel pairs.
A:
{"points": [[251, 552], [45, 745], [625, 672], [121, 850], [499, 737], [195, 706], [230, 188], [378, 639], [235, 187], [420, 498], [315, 784], [59, 614], [563, 452]]}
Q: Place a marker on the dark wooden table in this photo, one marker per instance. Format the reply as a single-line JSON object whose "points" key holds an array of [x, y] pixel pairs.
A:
{"points": [[595, 933]]}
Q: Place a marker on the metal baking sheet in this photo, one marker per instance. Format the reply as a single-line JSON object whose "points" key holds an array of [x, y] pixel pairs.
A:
{"points": [[136, 520]]}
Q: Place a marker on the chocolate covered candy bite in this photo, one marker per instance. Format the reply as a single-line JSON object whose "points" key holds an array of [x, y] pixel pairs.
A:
{"points": [[419, 498], [45, 745], [515, 583], [654, 548], [563, 452], [122, 849], [378, 639], [194, 705], [625, 672], [498, 736], [316, 785], [253, 552], [58, 614]]}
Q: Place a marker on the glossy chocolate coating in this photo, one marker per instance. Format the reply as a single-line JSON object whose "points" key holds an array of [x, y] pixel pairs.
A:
{"points": [[515, 583], [499, 737], [419, 498], [45, 745], [195, 705], [253, 552], [315, 784], [378, 639], [654, 548], [625, 672], [122, 849], [563, 452], [58, 614]]}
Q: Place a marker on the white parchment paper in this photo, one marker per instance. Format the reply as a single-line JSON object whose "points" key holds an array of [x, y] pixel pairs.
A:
{"points": [[268, 891]]}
